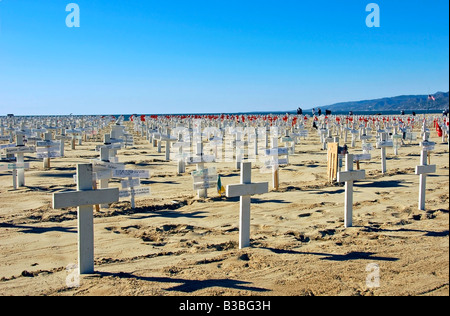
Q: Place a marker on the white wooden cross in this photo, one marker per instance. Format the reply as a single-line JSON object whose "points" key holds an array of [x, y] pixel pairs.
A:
{"points": [[300, 133], [245, 190], [348, 177], [274, 161], [14, 167], [354, 133], [397, 141], [358, 158], [204, 179], [240, 148], [322, 134], [128, 139], [19, 150], [47, 149], [409, 135], [20, 160], [76, 134], [345, 129], [328, 139], [199, 160], [84, 198], [62, 138], [168, 139], [130, 185], [112, 148], [183, 153], [383, 143], [290, 143], [364, 137], [117, 131], [423, 169]]}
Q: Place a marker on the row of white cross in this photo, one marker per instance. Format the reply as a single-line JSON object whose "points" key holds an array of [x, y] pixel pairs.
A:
{"points": [[47, 148], [85, 197]]}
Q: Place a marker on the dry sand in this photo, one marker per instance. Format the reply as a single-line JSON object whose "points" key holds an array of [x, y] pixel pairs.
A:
{"points": [[173, 243]]}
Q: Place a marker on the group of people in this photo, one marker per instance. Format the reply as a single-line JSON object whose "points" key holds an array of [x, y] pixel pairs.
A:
{"points": [[319, 112], [328, 112]]}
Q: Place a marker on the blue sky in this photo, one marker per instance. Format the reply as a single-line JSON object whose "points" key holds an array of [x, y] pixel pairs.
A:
{"points": [[216, 56]]}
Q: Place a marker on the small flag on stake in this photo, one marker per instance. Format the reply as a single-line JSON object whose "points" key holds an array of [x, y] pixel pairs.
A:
{"points": [[220, 187]]}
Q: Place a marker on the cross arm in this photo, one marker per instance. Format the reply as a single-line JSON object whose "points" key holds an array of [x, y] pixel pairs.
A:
{"points": [[82, 198], [425, 169], [351, 175], [235, 190]]}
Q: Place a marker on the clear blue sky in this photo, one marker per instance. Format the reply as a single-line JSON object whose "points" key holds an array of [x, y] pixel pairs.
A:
{"points": [[195, 56]]}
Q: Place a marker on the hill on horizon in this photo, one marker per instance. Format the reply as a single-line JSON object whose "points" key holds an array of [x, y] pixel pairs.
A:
{"points": [[398, 103]]}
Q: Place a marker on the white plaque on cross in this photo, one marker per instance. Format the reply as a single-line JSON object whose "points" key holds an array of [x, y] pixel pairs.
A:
{"points": [[130, 186]]}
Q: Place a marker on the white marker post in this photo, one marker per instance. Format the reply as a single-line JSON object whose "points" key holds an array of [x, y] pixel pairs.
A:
{"points": [[168, 139], [84, 198], [348, 177], [423, 170], [245, 190]]}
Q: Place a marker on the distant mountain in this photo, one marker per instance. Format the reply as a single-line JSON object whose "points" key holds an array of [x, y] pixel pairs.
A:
{"points": [[404, 102]]}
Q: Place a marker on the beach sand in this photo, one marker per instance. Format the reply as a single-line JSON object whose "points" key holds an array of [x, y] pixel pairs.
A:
{"points": [[174, 243]]}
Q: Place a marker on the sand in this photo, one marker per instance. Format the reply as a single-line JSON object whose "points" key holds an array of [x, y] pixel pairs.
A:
{"points": [[174, 243]]}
